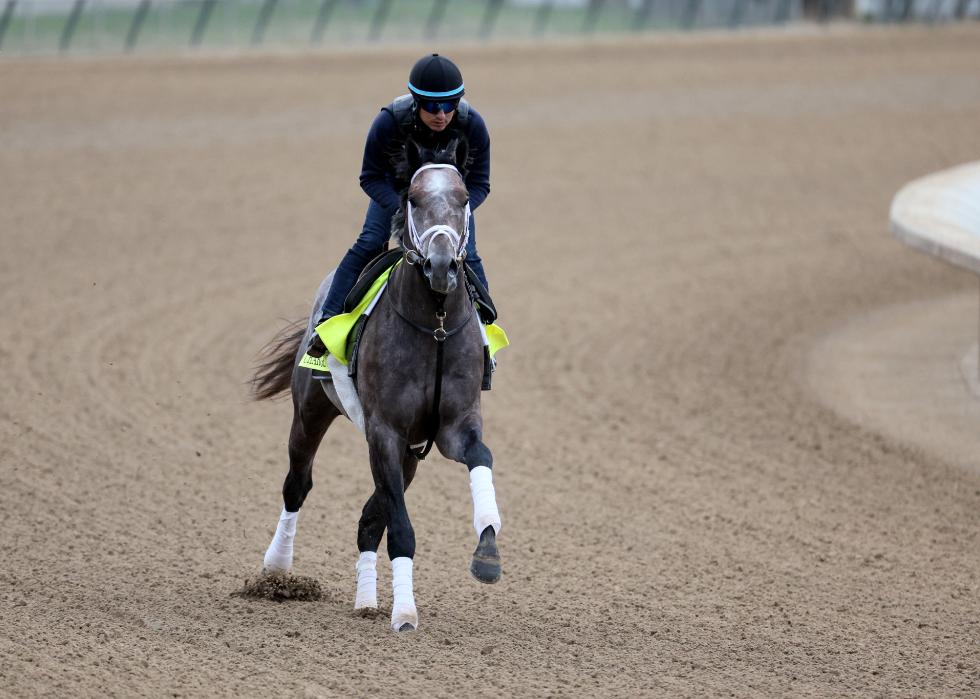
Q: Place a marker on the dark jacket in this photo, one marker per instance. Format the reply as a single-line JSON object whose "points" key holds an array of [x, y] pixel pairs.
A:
{"points": [[386, 137]]}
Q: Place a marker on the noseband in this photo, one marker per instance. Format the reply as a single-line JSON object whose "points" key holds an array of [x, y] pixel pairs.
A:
{"points": [[422, 241]]}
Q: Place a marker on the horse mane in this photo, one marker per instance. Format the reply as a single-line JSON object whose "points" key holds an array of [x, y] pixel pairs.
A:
{"points": [[413, 155]]}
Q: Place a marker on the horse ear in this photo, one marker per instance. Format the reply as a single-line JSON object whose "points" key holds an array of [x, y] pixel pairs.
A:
{"points": [[413, 154]]}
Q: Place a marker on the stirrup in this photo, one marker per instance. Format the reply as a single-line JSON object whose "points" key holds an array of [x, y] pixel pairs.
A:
{"points": [[315, 347]]}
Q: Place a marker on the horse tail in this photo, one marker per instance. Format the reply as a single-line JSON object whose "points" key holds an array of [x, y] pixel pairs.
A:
{"points": [[274, 373]]}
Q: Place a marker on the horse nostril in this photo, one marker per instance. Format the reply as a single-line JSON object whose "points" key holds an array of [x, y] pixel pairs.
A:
{"points": [[427, 267]]}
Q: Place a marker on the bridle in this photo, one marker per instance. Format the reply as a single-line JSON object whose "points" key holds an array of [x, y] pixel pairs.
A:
{"points": [[422, 241]]}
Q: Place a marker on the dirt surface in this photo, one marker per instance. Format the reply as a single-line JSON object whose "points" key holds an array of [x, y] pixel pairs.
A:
{"points": [[908, 371], [675, 225]]}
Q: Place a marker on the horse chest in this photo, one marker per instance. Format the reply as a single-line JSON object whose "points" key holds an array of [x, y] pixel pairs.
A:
{"points": [[397, 372]]}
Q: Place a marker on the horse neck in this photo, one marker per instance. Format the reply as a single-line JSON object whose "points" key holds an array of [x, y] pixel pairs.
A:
{"points": [[411, 292]]}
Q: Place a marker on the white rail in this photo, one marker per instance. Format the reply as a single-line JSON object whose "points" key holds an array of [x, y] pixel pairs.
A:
{"points": [[940, 214]]}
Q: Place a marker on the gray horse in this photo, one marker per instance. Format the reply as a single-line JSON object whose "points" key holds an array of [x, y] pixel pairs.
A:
{"points": [[421, 348]]}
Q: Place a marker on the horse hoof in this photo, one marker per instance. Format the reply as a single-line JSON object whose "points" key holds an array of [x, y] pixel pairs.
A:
{"points": [[485, 566], [404, 619], [276, 562], [485, 571], [271, 566], [367, 612]]}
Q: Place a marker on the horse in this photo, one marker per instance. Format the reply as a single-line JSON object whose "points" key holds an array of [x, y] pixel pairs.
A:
{"points": [[419, 374]]}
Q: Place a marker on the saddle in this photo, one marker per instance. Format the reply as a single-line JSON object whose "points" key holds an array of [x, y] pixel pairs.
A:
{"points": [[369, 285], [374, 269]]}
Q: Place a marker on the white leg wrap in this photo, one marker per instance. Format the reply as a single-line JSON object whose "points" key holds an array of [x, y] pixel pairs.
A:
{"points": [[279, 555], [403, 605], [485, 513], [367, 581]]}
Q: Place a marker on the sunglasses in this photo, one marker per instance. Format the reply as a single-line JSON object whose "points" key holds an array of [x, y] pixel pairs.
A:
{"points": [[434, 107]]}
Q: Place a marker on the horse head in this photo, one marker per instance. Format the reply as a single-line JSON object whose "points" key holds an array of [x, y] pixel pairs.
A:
{"points": [[437, 213]]}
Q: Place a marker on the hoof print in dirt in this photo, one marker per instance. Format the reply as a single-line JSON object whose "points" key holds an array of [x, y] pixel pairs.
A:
{"points": [[281, 586]]}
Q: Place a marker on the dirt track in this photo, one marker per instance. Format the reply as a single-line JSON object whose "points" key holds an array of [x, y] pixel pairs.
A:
{"points": [[674, 225]]}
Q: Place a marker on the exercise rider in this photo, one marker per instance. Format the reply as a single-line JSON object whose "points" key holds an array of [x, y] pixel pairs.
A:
{"points": [[432, 114]]}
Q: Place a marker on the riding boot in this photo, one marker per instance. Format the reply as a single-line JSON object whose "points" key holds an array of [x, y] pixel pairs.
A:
{"points": [[316, 348]]}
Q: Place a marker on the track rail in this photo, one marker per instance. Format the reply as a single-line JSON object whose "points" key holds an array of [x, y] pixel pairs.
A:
{"points": [[940, 215]]}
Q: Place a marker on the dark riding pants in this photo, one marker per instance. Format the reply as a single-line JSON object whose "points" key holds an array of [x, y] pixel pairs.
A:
{"points": [[370, 244]]}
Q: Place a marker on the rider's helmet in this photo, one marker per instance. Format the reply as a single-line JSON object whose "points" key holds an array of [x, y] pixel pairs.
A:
{"points": [[435, 78]]}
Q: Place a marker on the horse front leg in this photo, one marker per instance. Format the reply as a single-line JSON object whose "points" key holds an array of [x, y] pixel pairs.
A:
{"points": [[312, 415], [464, 443], [386, 449], [370, 529]]}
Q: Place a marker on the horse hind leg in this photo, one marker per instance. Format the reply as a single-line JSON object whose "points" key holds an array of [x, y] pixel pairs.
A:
{"points": [[312, 415], [370, 529]]}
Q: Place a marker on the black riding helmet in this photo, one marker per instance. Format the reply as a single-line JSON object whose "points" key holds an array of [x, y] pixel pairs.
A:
{"points": [[435, 77]]}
